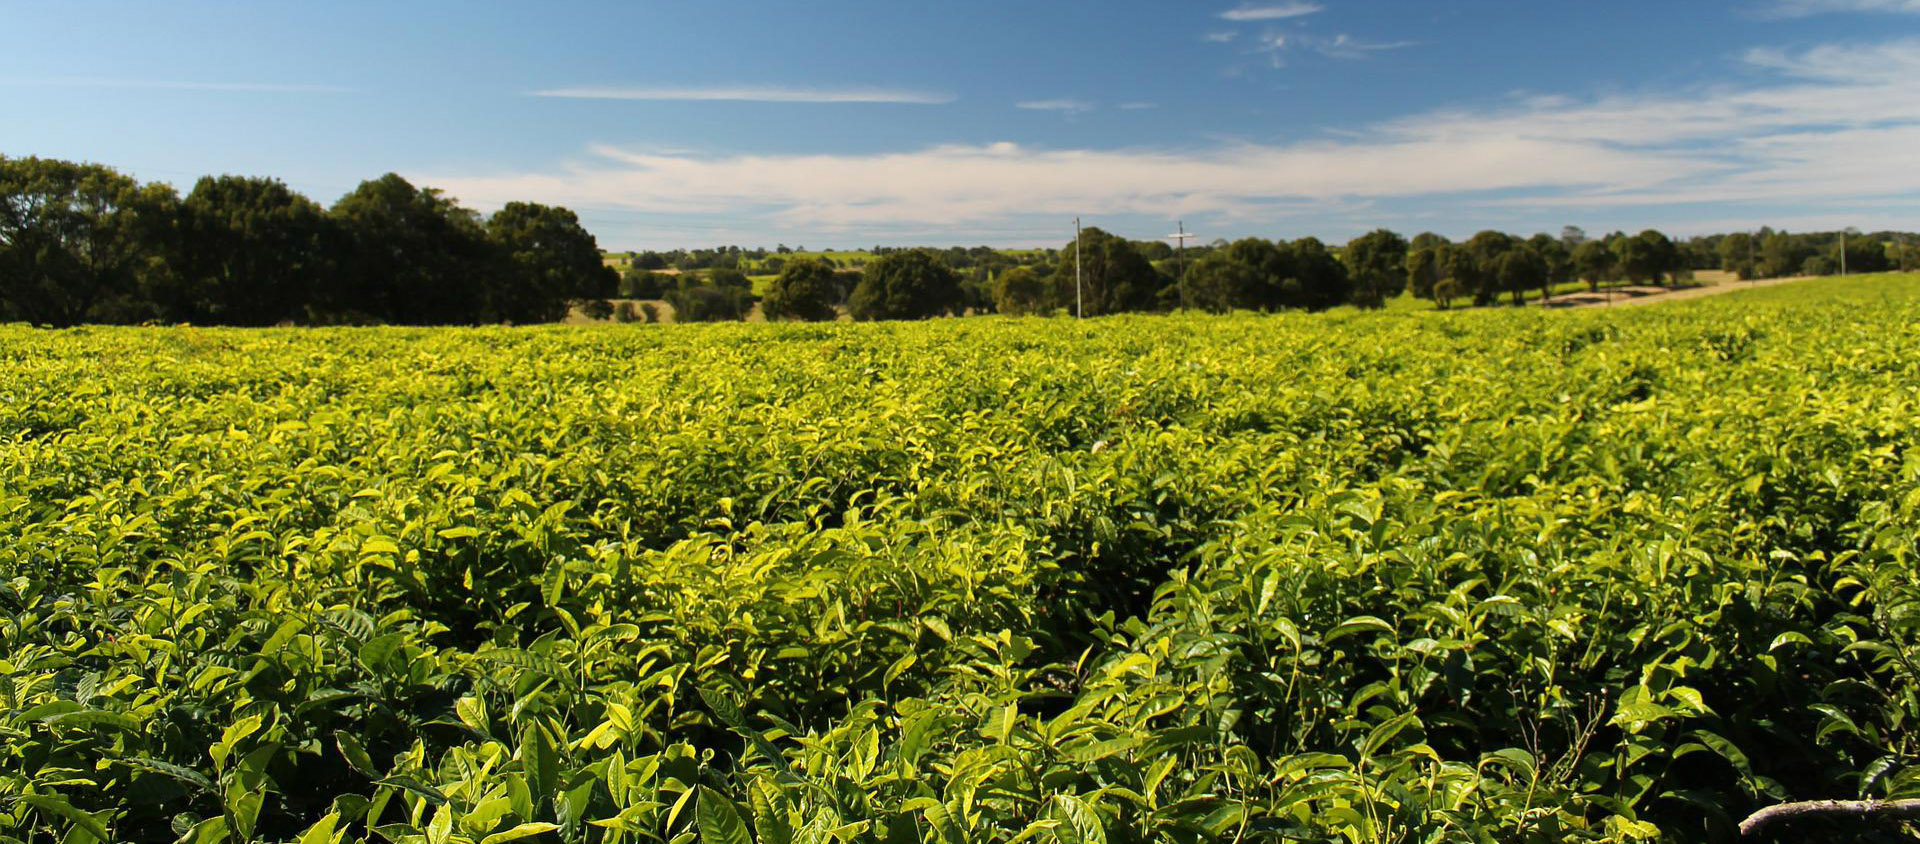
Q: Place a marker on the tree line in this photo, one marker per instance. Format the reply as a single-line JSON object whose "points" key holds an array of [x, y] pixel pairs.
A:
{"points": [[85, 243]]}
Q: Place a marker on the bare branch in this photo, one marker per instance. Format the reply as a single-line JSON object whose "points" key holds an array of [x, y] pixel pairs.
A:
{"points": [[1845, 808]]}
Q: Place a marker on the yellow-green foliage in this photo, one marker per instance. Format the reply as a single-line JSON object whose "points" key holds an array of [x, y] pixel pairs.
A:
{"points": [[1490, 576]]}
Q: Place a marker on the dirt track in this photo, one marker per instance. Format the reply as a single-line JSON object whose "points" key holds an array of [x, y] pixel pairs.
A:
{"points": [[1643, 295]]}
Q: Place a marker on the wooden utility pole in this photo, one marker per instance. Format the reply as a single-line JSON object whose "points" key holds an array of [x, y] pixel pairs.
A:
{"points": [[1079, 299]]}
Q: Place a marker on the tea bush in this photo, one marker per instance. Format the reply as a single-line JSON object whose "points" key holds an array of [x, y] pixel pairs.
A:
{"points": [[1475, 576]]}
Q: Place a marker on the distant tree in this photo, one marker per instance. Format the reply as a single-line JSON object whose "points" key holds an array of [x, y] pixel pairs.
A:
{"points": [[1377, 262], [1021, 292], [911, 284], [413, 256], [1820, 265], [546, 259], [1485, 249], [1322, 281], [729, 277], [250, 251], [1115, 277], [1571, 237], [1267, 280], [1427, 240], [804, 290], [597, 309], [79, 241], [1519, 269], [1738, 255], [1461, 276], [643, 284], [1594, 263], [1154, 250], [1864, 254], [648, 261], [710, 303], [1218, 283], [1558, 258], [1648, 256], [1782, 254], [1423, 270]]}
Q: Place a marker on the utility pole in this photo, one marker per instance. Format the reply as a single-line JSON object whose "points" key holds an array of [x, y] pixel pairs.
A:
{"points": [[1180, 273], [1079, 299]]}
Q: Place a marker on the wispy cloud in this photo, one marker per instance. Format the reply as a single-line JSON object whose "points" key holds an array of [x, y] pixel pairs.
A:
{"points": [[1341, 46], [1137, 106], [750, 93], [1272, 11], [1807, 8], [1834, 128], [1061, 105], [1220, 37], [174, 85]]}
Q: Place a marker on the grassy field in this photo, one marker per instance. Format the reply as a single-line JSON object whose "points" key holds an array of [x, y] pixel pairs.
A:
{"points": [[1494, 575]]}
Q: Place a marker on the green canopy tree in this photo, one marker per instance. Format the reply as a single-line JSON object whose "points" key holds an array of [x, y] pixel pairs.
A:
{"points": [[1114, 276], [909, 284], [1558, 258], [77, 241], [1218, 283], [548, 259], [1485, 248], [1022, 292], [1320, 281], [803, 290], [1377, 262], [1519, 269], [1593, 262], [413, 256], [250, 251]]}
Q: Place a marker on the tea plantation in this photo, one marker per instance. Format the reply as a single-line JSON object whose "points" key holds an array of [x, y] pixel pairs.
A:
{"points": [[1502, 575]]}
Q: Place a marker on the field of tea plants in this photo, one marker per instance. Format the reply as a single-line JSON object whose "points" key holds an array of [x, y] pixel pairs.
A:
{"points": [[1503, 575]]}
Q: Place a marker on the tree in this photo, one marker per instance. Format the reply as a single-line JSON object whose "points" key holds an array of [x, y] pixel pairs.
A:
{"points": [[1022, 292], [1423, 270], [1863, 254], [1322, 281], [546, 259], [1648, 256], [1594, 263], [413, 256], [1114, 276], [78, 240], [250, 251], [803, 290], [1377, 263], [1558, 258], [911, 284], [1483, 281], [1737, 255], [1572, 237], [1461, 276], [710, 303], [1217, 283], [1520, 269]]}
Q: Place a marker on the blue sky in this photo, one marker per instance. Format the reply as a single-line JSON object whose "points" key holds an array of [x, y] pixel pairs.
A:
{"points": [[856, 122]]}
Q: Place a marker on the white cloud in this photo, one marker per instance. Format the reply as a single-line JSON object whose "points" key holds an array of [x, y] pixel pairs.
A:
{"points": [[1806, 8], [1276, 11], [175, 85], [1064, 105], [1836, 127], [749, 93], [1220, 37]]}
